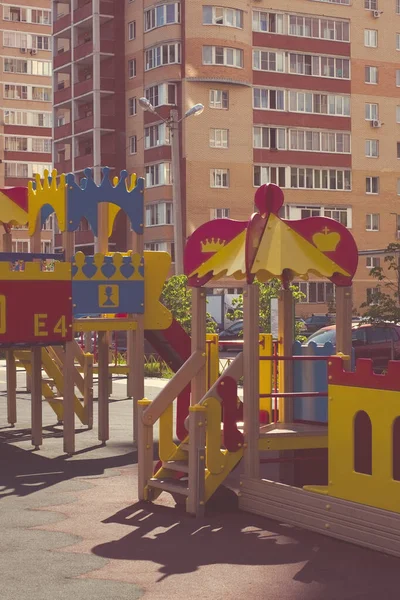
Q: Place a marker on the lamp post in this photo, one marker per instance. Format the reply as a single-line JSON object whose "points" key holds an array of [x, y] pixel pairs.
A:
{"points": [[173, 125]]}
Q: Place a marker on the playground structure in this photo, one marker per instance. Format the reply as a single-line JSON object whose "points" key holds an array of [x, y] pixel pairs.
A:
{"points": [[286, 410], [359, 501]]}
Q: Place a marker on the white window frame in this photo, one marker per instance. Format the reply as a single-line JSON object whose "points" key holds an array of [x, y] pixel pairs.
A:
{"points": [[132, 68], [132, 106], [219, 178], [159, 213], [222, 16], [371, 38], [370, 260], [162, 55], [220, 213], [369, 185], [371, 111], [228, 53], [372, 222], [159, 16], [305, 101], [268, 22], [159, 94], [158, 174], [372, 148], [317, 65], [217, 99], [268, 60], [132, 144], [219, 138], [371, 75], [266, 95], [155, 135], [131, 30]]}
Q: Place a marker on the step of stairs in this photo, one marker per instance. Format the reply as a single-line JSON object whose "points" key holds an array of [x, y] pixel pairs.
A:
{"points": [[170, 485], [176, 465]]}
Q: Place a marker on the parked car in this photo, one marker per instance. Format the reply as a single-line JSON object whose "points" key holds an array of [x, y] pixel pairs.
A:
{"points": [[316, 322], [381, 343], [233, 332]]}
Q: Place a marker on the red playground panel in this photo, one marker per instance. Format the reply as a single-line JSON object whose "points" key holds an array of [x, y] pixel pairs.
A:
{"points": [[35, 312]]}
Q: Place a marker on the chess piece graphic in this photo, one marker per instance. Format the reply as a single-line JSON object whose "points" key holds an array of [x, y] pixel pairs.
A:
{"points": [[109, 293]]}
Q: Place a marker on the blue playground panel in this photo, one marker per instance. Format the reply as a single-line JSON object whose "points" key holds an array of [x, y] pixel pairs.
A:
{"points": [[107, 298], [312, 376]]}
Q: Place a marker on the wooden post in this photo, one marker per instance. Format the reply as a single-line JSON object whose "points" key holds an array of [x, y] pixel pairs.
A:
{"points": [[88, 388], [11, 388], [286, 339], [344, 309], [251, 391], [103, 412], [69, 398], [36, 396], [130, 353], [136, 359], [197, 441], [145, 450], [199, 305], [286, 406]]}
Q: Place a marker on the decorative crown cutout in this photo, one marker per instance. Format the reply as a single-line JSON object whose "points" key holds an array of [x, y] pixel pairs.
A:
{"points": [[107, 267], [212, 245], [325, 241]]}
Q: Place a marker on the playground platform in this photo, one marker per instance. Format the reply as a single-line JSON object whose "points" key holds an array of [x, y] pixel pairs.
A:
{"points": [[71, 527]]}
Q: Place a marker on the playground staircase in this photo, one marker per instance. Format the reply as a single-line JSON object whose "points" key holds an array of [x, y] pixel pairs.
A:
{"points": [[53, 383]]}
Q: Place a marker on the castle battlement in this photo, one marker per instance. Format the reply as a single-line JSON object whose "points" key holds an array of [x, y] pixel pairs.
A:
{"points": [[363, 376], [46, 191], [108, 267]]}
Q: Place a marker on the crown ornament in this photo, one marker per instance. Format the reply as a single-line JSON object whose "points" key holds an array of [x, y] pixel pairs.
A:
{"points": [[326, 241], [46, 194], [212, 245], [84, 197]]}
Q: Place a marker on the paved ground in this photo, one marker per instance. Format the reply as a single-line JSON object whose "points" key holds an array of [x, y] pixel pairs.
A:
{"points": [[72, 528]]}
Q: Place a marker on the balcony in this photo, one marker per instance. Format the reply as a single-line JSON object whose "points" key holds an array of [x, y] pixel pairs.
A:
{"points": [[84, 124], [83, 50], [81, 162], [62, 95], [83, 87], [83, 12], [107, 46], [106, 8], [107, 122], [64, 166], [107, 84], [63, 131], [62, 23], [62, 58]]}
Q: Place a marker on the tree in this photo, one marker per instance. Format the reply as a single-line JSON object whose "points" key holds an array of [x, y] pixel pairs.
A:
{"points": [[177, 297], [384, 303], [267, 292]]}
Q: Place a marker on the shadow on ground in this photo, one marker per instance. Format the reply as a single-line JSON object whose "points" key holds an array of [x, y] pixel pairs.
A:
{"points": [[181, 545]]}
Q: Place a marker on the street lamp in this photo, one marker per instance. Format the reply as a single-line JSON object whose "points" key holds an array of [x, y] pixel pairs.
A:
{"points": [[173, 125]]}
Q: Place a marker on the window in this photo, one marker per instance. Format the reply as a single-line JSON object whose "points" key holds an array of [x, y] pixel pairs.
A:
{"points": [[42, 17], [25, 170], [398, 187], [372, 185], [269, 137], [41, 145], [371, 74], [398, 77], [341, 214], [156, 246], [217, 15], [371, 112], [370, 38], [316, 292], [372, 222], [132, 68], [21, 246], [372, 148], [132, 106], [133, 144], [26, 41], [319, 141], [160, 213], [166, 54], [42, 94], [267, 21], [268, 61], [263, 174], [16, 144], [313, 27], [219, 138], [220, 213], [321, 179], [220, 55], [371, 4], [27, 66], [16, 92], [267, 99], [162, 94], [132, 30], [347, 2], [372, 294], [312, 102], [219, 178], [28, 118], [26, 15], [164, 14], [156, 135], [398, 7], [397, 114], [398, 149], [219, 99], [158, 174], [46, 247], [372, 262], [319, 66]]}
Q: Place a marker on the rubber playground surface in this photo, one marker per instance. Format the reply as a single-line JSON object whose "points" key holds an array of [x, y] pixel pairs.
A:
{"points": [[73, 528]]}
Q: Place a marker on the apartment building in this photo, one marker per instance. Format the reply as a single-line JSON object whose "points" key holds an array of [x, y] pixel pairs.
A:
{"points": [[26, 114], [303, 93]]}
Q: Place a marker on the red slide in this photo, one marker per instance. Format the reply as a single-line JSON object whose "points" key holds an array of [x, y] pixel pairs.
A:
{"points": [[174, 347]]}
